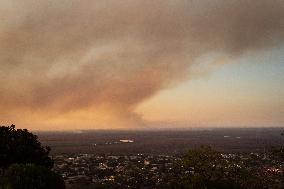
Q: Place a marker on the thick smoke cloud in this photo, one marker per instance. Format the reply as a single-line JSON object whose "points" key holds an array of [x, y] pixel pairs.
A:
{"points": [[70, 55]]}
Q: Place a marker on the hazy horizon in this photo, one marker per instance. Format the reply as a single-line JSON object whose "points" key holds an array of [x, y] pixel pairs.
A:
{"points": [[154, 129]]}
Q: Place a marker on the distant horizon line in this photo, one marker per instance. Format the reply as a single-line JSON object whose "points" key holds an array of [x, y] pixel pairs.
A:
{"points": [[79, 131]]}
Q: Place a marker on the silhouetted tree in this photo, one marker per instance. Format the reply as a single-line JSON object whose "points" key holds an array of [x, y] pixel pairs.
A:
{"points": [[24, 163], [21, 146]]}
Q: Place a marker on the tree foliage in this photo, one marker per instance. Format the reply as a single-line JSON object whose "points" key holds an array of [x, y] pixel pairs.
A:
{"points": [[21, 146], [24, 162], [30, 176]]}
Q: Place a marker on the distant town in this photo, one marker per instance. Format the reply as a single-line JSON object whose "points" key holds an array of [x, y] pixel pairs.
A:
{"points": [[124, 171], [138, 171]]}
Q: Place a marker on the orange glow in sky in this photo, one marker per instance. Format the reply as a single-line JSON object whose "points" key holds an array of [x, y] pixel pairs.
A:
{"points": [[136, 64]]}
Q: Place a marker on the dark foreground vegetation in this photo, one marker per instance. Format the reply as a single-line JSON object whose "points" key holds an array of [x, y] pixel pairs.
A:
{"points": [[25, 164]]}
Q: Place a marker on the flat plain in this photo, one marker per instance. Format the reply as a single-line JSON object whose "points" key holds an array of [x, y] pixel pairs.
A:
{"points": [[164, 142]]}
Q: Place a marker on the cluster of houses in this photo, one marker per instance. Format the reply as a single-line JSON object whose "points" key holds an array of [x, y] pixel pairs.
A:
{"points": [[108, 170]]}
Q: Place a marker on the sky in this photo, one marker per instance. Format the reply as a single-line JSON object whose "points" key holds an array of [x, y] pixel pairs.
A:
{"points": [[133, 64]]}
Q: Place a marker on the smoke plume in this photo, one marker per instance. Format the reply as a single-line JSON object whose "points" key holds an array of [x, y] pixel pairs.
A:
{"points": [[106, 57]]}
